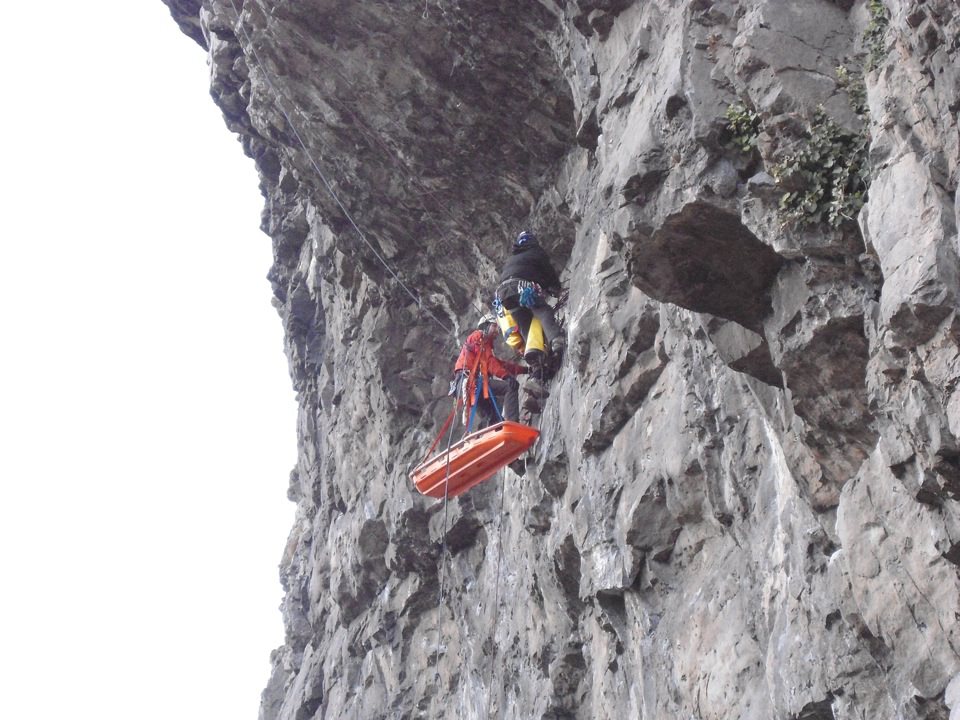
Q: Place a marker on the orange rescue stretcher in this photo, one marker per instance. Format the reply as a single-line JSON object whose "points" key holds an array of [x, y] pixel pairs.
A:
{"points": [[474, 459]]}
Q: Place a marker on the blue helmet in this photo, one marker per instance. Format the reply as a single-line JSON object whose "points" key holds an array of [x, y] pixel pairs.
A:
{"points": [[525, 238]]}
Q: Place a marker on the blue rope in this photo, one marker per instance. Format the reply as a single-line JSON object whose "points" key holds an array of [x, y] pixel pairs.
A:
{"points": [[476, 402], [493, 399], [473, 413], [473, 410]]}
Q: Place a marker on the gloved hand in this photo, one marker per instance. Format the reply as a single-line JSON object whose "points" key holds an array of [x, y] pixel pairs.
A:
{"points": [[456, 384]]}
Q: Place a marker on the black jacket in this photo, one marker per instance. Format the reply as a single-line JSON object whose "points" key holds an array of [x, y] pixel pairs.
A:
{"points": [[531, 262]]}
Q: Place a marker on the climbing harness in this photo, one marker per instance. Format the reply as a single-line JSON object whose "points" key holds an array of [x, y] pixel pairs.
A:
{"points": [[468, 382], [529, 294], [484, 388], [513, 292]]}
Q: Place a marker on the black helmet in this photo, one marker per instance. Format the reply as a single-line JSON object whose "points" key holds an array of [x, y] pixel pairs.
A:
{"points": [[525, 238]]}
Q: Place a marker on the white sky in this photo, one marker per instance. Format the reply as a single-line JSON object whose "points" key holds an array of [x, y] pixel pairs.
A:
{"points": [[147, 423]]}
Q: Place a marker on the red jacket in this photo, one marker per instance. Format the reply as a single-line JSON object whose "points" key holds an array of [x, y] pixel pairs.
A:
{"points": [[489, 363]]}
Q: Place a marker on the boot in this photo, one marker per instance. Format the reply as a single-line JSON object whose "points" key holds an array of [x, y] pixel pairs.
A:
{"points": [[550, 367], [532, 403], [534, 358], [535, 386], [555, 359]]}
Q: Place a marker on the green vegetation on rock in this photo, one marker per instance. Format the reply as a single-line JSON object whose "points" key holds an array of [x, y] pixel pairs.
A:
{"points": [[743, 124], [826, 175], [874, 37]]}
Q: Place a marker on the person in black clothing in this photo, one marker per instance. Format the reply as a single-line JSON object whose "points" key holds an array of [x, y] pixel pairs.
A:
{"points": [[527, 278]]}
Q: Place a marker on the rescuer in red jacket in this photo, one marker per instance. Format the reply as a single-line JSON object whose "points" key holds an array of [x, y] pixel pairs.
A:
{"points": [[484, 379]]}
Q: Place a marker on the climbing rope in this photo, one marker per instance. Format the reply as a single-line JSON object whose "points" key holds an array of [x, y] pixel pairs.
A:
{"points": [[333, 194], [279, 97], [496, 597], [443, 541]]}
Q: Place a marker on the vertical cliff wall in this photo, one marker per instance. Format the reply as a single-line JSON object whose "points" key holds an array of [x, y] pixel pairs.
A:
{"points": [[745, 500]]}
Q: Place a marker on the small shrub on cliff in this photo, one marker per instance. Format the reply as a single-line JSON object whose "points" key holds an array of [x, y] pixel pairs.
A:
{"points": [[852, 82], [874, 37], [826, 176], [743, 125]]}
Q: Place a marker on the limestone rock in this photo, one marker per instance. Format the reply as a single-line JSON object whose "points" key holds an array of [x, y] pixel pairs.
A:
{"points": [[745, 501]]}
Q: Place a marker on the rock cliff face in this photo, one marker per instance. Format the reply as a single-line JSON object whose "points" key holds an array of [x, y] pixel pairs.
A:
{"points": [[745, 500]]}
